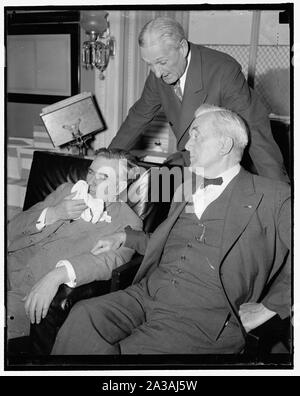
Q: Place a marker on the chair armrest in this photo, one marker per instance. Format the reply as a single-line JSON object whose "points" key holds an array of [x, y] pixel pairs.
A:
{"points": [[123, 275], [66, 296], [42, 335], [262, 339]]}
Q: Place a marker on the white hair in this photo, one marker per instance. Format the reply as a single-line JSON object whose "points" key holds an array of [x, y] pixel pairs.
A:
{"points": [[162, 29], [226, 123]]}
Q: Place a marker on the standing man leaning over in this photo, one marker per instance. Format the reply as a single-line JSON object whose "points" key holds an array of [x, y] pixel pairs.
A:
{"points": [[203, 281], [204, 76]]}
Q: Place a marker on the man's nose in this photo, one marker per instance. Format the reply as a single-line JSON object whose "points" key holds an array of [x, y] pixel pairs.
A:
{"points": [[93, 181], [188, 145], [157, 71], [90, 179]]}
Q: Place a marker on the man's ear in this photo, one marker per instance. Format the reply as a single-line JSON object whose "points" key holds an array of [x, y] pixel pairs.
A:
{"points": [[227, 145], [184, 47]]}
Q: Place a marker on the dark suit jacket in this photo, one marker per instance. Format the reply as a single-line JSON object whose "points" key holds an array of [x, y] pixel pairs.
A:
{"points": [[255, 248], [215, 78]]}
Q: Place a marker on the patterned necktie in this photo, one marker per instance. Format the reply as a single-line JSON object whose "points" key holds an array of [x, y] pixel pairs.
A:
{"points": [[178, 91]]}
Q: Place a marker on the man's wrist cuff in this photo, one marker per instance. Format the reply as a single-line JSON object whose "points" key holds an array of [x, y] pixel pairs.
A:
{"points": [[70, 272]]}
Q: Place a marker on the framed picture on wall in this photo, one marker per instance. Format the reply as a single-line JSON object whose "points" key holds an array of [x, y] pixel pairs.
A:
{"points": [[42, 62], [71, 118]]}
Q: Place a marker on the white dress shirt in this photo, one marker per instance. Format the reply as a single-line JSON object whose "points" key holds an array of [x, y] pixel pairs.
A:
{"points": [[183, 77], [205, 196]]}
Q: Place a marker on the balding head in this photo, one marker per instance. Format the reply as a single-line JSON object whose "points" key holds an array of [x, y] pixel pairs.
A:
{"points": [[161, 29]]}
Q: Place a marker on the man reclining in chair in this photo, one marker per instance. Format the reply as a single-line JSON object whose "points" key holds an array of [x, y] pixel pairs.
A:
{"points": [[50, 243], [201, 284]]}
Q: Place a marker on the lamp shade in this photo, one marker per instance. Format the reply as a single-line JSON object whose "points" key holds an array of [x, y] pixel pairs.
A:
{"points": [[94, 21]]}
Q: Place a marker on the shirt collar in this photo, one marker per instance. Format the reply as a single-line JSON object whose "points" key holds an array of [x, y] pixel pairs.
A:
{"points": [[183, 77], [229, 174]]}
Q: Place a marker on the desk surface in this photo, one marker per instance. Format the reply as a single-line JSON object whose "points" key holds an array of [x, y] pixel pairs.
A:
{"points": [[155, 157]]}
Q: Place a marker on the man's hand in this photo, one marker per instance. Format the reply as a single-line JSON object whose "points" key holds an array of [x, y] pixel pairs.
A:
{"points": [[253, 315], [41, 295], [111, 242], [66, 209]]}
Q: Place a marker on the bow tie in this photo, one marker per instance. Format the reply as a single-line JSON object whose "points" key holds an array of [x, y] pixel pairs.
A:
{"points": [[203, 182], [217, 181]]}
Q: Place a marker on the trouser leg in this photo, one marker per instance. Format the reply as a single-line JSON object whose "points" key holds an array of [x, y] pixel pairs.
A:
{"points": [[96, 326], [42, 335], [18, 324], [172, 335]]}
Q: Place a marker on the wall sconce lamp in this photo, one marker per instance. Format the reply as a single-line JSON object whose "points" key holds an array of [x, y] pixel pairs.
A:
{"points": [[101, 46]]}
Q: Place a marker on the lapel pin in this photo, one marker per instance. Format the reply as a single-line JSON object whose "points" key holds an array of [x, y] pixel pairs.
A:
{"points": [[248, 206]]}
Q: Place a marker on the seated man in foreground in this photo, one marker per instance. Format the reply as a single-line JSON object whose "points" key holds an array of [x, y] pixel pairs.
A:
{"points": [[214, 256], [50, 243]]}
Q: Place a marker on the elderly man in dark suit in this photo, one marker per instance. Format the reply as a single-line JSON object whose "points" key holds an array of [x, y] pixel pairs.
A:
{"points": [[216, 268], [202, 75]]}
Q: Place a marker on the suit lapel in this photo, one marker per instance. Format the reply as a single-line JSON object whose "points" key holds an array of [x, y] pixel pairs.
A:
{"points": [[158, 240], [182, 114], [241, 207], [194, 93]]}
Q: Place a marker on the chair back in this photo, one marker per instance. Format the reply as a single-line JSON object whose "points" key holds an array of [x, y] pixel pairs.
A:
{"points": [[51, 169]]}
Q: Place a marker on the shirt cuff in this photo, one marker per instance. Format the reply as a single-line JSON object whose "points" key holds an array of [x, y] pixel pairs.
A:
{"points": [[70, 272], [41, 222]]}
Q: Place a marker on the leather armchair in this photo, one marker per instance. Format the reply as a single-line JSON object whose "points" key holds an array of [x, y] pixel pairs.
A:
{"points": [[48, 171]]}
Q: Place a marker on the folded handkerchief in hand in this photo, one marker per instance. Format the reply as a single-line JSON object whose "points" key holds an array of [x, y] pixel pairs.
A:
{"points": [[95, 205], [105, 217]]}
